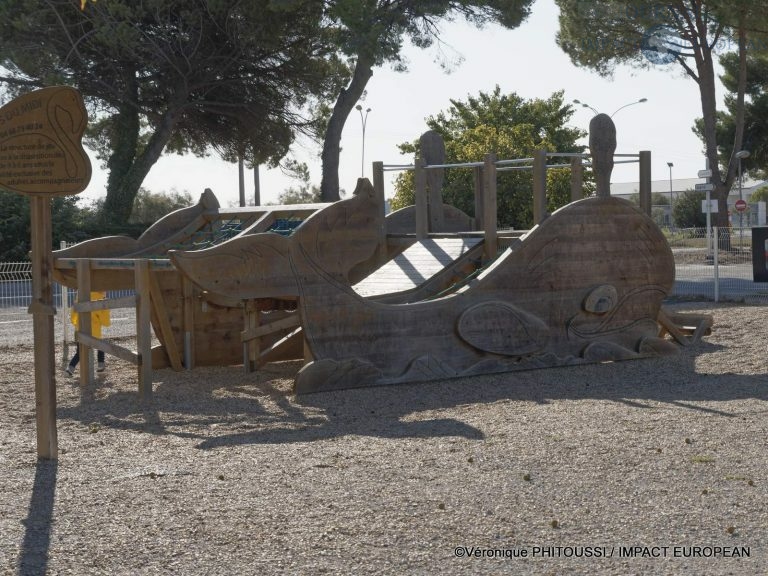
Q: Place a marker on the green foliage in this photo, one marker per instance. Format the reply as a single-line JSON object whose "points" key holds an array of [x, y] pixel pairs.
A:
{"points": [[657, 199], [755, 110], [68, 222], [510, 127], [601, 34], [759, 195], [686, 211], [149, 207]]}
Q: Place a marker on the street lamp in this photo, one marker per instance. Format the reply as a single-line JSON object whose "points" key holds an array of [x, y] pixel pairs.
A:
{"points": [[670, 164], [363, 121], [741, 154], [585, 105]]}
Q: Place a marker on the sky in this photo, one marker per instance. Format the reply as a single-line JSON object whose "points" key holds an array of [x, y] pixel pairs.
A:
{"points": [[525, 60]]}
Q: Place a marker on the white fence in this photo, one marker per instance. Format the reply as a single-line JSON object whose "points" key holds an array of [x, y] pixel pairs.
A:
{"points": [[16, 296]]}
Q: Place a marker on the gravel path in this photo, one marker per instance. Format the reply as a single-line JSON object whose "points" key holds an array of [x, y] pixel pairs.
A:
{"points": [[563, 471]]}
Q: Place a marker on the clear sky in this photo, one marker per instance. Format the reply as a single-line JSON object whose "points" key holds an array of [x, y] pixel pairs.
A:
{"points": [[525, 60]]}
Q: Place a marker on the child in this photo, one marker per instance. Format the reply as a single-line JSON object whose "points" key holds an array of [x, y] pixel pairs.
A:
{"points": [[99, 318]]}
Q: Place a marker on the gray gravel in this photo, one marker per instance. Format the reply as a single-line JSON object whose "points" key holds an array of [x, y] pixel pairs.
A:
{"points": [[229, 474]]}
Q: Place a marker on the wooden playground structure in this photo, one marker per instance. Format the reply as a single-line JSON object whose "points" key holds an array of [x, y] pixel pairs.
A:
{"points": [[423, 293]]}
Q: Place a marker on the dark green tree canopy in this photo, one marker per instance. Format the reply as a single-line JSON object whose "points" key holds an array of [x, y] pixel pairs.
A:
{"points": [[185, 72], [511, 127], [755, 110], [602, 34]]}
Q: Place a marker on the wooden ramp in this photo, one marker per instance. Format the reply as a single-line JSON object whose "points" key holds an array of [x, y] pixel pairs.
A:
{"points": [[428, 262]]}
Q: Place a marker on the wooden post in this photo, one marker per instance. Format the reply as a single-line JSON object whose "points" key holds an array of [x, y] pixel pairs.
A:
{"points": [[84, 325], [577, 179], [188, 304], [433, 152], [251, 348], [645, 181], [42, 311], [420, 190], [539, 186], [143, 328], [477, 176], [490, 247], [378, 188]]}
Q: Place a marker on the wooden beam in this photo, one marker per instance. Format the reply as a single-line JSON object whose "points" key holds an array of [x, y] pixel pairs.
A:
{"points": [[420, 187], [144, 328], [378, 187], [282, 324], [489, 207], [645, 181], [84, 320], [159, 309], [108, 347], [106, 304], [188, 310], [539, 186], [250, 344], [577, 179], [42, 311], [477, 178]]}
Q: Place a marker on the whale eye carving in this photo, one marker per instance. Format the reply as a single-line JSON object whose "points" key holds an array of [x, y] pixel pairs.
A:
{"points": [[601, 300]]}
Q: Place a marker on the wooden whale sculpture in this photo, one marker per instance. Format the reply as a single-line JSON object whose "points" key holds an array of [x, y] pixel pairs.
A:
{"points": [[584, 286]]}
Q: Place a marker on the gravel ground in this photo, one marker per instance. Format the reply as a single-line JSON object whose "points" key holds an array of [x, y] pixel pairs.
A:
{"points": [[563, 471]]}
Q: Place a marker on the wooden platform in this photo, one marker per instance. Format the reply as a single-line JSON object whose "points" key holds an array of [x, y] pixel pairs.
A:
{"points": [[415, 266]]}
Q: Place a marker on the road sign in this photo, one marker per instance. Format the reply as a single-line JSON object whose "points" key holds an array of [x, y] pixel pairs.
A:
{"points": [[708, 187], [705, 173], [712, 206], [741, 205]]}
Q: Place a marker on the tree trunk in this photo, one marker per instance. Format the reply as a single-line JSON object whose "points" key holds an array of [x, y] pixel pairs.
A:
{"points": [[329, 186], [124, 139], [122, 193], [256, 185]]}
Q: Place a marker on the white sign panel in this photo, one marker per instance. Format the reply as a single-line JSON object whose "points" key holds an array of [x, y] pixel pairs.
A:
{"points": [[704, 187], [705, 173], [712, 206]]}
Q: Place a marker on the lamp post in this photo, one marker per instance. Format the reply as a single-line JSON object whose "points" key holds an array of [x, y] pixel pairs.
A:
{"points": [[363, 121], [741, 154], [670, 164]]}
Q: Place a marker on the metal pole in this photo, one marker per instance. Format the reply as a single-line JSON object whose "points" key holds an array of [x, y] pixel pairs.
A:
{"points": [[670, 164], [741, 213]]}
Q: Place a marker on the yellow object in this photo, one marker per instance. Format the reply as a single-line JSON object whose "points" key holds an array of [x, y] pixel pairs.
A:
{"points": [[99, 318]]}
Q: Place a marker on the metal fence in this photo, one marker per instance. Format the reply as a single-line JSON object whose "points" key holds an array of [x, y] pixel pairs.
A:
{"points": [[16, 296], [703, 271]]}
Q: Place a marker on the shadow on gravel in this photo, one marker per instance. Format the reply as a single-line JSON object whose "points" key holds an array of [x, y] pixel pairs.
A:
{"points": [[224, 407], [33, 558]]}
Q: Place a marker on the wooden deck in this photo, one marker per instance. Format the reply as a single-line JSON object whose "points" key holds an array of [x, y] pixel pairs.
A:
{"points": [[417, 264]]}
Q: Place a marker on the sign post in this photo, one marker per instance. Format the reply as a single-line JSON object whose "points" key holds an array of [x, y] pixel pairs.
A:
{"points": [[41, 156]]}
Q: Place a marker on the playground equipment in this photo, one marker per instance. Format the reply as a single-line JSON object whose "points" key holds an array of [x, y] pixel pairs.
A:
{"points": [[421, 294], [585, 285]]}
